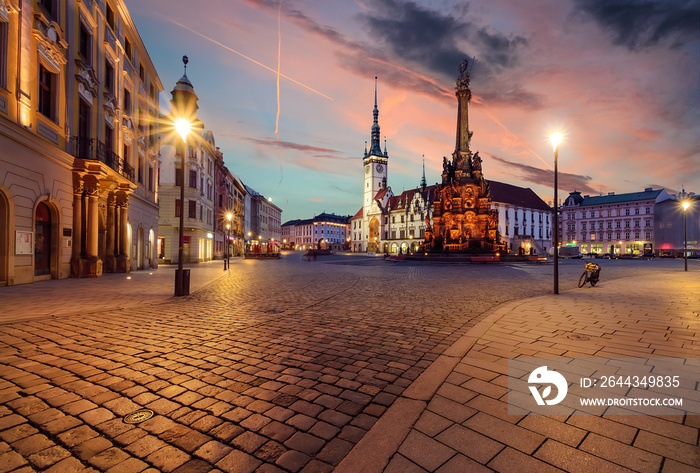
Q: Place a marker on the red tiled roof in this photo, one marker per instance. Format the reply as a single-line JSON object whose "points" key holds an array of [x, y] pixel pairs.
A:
{"points": [[380, 195], [359, 213], [514, 195]]}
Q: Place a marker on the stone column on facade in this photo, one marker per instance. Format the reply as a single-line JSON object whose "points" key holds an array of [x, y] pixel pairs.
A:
{"points": [[93, 264], [77, 242], [110, 261], [123, 261]]}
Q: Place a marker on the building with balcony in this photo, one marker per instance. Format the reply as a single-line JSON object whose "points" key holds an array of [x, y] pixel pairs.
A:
{"points": [[78, 154], [618, 224]]}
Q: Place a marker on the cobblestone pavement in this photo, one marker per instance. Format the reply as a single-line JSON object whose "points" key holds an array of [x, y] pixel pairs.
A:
{"points": [[276, 366], [456, 418]]}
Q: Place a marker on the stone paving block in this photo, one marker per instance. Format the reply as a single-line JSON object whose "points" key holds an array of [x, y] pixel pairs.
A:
{"points": [[660, 426], [255, 422], [606, 427], [18, 432], [670, 448], [301, 422], [334, 451], [45, 416], [431, 424], [168, 458], [70, 465], [194, 466], [315, 466], [238, 462], [129, 437], [191, 441], [305, 443], [33, 444], [10, 461], [672, 466], [48, 457], [78, 407], [621, 453], [208, 422], [554, 429], [351, 408], [109, 458], [449, 409], [575, 461], [91, 447], [96, 416], [470, 443], [334, 417], [400, 464], [425, 451], [226, 431], [145, 446], [162, 406], [213, 451], [505, 432], [270, 451], [278, 431], [280, 413], [248, 442], [292, 460], [509, 460], [130, 465]]}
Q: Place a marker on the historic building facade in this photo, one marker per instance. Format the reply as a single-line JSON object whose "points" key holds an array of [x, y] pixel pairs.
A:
{"points": [[618, 224], [78, 172], [198, 153], [673, 223], [229, 201], [262, 217], [330, 230]]}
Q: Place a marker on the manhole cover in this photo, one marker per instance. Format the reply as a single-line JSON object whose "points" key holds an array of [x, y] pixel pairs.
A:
{"points": [[138, 416], [576, 336]]}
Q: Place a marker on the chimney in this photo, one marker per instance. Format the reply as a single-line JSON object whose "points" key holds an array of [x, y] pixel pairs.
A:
{"points": [[611, 193], [648, 189]]}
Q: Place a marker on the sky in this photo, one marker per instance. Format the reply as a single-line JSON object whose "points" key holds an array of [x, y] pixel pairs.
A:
{"points": [[287, 88]]}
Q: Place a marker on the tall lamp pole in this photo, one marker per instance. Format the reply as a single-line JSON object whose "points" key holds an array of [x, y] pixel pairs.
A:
{"points": [[556, 139], [686, 204], [229, 217], [184, 106]]}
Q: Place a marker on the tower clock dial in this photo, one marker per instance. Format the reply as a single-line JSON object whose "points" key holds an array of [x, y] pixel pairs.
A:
{"points": [[380, 168]]}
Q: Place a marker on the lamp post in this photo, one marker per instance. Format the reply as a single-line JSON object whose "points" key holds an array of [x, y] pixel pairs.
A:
{"points": [[184, 112], [686, 204], [227, 252], [556, 139]]}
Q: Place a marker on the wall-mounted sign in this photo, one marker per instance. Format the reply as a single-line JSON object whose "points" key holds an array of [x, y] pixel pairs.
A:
{"points": [[24, 243]]}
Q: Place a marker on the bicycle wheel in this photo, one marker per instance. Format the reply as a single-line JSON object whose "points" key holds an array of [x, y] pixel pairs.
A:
{"points": [[582, 281], [594, 278], [594, 281]]}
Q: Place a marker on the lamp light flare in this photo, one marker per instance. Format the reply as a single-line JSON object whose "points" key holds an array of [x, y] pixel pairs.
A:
{"points": [[686, 205], [556, 138], [183, 128]]}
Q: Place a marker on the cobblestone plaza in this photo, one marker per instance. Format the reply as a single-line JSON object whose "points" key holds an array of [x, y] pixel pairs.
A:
{"points": [[291, 365]]}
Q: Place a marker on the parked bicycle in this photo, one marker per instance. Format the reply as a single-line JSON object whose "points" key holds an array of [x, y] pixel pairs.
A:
{"points": [[591, 274]]}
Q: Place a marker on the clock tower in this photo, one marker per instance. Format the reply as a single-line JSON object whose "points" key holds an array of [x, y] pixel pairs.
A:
{"points": [[374, 161]]}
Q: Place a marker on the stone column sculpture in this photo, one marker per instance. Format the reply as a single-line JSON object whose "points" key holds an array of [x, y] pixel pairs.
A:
{"points": [[77, 243], [110, 261], [93, 263]]}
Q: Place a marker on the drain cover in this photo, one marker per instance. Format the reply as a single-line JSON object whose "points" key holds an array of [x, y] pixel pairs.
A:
{"points": [[138, 416], [576, 336]]}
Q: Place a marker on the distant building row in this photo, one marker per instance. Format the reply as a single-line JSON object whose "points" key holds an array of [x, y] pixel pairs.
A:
{"points": [[325, 230], [82, 169]]}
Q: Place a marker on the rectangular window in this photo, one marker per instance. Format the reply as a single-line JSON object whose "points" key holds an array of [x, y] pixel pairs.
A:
{"points": [[152, 92], [142, 73], [84, 119], [126, 152], [50, 8], [150, 178], [127, 48], [178, 177], [193, 179], [3, 54], [85, 44], [47, 85], [193, 209], [109, 13], [127, 102], [178, 207], [140, 173], [109, 77]]}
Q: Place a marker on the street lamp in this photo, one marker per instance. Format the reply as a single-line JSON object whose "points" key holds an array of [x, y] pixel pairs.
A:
{"points": [[227, 251], [556, 139], [184, 113], [686, 204]]}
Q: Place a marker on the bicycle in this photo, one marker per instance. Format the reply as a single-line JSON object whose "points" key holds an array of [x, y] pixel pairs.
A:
{"points": [[591, 274]]}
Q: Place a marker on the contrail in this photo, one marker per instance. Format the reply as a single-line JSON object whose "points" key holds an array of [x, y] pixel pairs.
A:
{"points": [[279, 60], [248, 58]]}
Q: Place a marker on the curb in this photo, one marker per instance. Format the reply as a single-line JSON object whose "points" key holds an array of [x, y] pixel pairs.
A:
{"points": [[373, 452]]}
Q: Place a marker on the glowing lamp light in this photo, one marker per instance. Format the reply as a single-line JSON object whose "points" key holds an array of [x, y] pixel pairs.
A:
{"points": [[183, 127], [686, 205], [229, 216], [556, 138]]}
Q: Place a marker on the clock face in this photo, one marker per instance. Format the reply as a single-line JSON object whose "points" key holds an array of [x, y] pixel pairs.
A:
{"points": [[366, 169], [380, 168]]}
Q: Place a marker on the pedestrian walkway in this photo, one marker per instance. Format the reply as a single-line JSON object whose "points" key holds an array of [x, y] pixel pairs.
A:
{"points": [[454, 417], [111, 291]]}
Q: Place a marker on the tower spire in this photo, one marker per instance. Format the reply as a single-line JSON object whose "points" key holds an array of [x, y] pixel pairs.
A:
{"points": [[423, 183], [375, 148]]}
